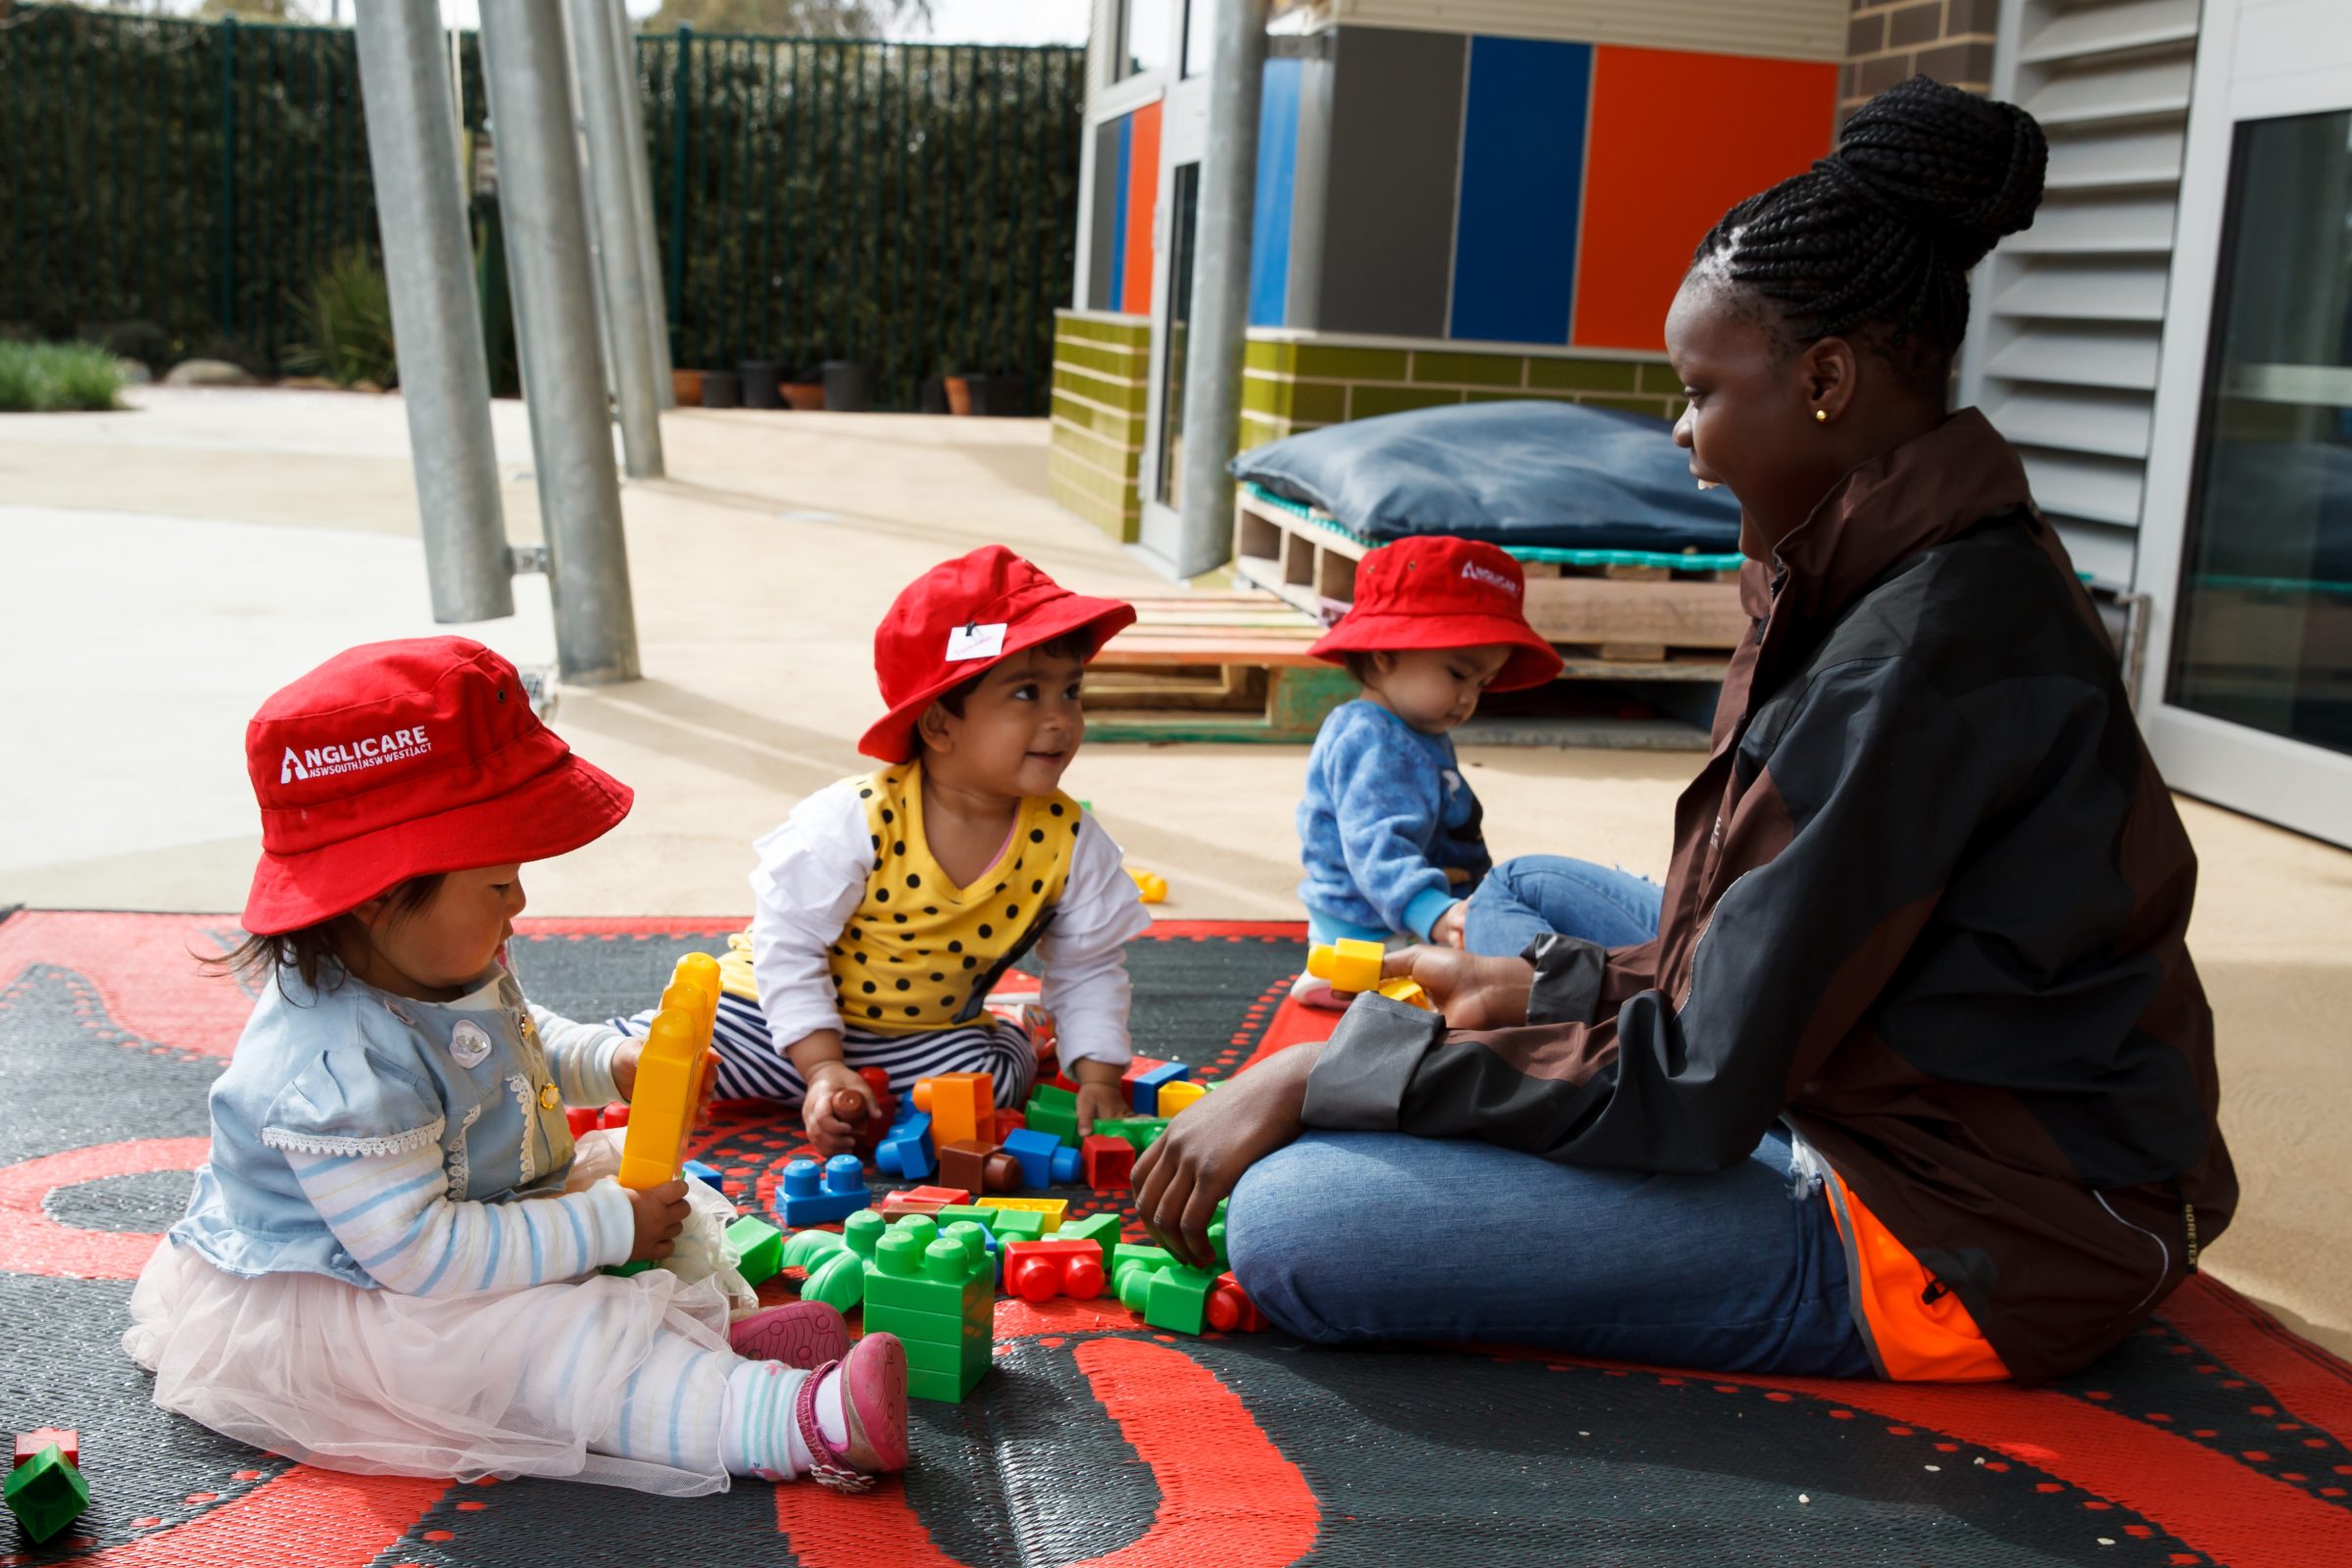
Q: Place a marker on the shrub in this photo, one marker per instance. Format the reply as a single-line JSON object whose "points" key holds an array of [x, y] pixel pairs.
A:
{"points": [[47, 377], [346, 324]]}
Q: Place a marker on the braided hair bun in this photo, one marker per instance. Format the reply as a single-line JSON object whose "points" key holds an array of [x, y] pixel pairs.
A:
{"points": [[1876, 240]]}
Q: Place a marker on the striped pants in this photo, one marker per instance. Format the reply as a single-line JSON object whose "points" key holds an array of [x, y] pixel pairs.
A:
{"points": [[750, 1066]]}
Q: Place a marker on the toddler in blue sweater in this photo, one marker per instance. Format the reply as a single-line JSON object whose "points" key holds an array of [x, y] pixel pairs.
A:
{"points": [[1389, 829]]}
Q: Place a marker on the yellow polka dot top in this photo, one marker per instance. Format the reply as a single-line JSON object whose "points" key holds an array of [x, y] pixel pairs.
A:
{"points": [[920, 952]]}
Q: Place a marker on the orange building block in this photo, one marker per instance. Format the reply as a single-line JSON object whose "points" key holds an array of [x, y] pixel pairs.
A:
{"points": [[962, 1105]]}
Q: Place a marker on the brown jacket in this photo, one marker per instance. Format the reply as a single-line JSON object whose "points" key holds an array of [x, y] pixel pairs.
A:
{"points": [[1927, 905]]}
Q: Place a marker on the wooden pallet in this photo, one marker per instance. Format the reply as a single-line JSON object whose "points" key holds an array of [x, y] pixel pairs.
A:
{"points": [[1618, 623], [1212, 667]]}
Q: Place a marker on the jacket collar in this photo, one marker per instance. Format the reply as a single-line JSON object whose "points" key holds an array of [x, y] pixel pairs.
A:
{"points": [[1919, 495]]}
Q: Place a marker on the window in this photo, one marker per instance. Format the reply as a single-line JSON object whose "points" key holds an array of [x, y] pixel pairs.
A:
{"points": [[1200, 35], [2266, 579], [1147, 34]]}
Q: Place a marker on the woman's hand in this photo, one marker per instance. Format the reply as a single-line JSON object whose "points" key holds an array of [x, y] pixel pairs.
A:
{"points": [[1181, 1178], [1473, 992], [660, 1213]]}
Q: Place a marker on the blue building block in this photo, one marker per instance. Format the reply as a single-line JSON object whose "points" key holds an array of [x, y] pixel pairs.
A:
{"points": [[1145, 1085], [708, 1176], [812, 1199], [905, 1150], [1044, 1162]]}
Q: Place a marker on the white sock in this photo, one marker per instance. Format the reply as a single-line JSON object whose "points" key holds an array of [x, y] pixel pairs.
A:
{"points": [[830, 1416], [757, 1435]]}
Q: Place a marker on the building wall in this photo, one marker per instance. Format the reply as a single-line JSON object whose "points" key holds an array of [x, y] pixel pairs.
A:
{"points": [[1793, 30], [1887, 41], [1100, 362]]}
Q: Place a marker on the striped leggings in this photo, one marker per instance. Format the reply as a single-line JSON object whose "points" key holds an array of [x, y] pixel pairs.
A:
{"points": [[750, 1066]]}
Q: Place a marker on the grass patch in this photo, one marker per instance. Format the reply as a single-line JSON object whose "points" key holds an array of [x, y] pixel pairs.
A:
{"points": [[346, 324], [49, 378]]}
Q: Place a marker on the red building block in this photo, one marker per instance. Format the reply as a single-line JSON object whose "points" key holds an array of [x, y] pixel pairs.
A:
{"points": [[30, 1443], [920, 1200], [1039, 1271], [886, 1111], [980, 1167], [616, 1114], [583, 1118], [1008, 1123], [1230, 1309], [963, 1106], [1109, 1162]]}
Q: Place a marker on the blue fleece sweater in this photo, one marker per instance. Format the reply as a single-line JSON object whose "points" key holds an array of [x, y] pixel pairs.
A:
{"points": [[1386, 813]]}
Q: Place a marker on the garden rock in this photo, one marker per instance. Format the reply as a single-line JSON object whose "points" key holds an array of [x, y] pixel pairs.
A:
{"points": [[207, 372], [134, 371]]}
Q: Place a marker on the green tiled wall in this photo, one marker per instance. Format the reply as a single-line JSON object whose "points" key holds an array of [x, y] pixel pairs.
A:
{"points": [[1295, 386], [1099, 369]]}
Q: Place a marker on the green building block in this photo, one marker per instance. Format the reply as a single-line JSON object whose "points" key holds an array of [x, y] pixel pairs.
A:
{"points": [[1140, 1131], [1178, 1300], [1101, 1229], [834, 1265], [1017, 1224], [1216, 1232], [1053, 1111], [935, 1288], [756, 1249], [46, 1493]]}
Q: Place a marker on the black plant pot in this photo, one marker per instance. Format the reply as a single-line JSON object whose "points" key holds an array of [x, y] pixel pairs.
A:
{"points": [[935, 396], [999, 396], [722, 389], [849, 386], [760, 384]]}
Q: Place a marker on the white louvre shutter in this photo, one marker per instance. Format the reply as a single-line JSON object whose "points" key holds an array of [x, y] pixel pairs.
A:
{"points": [[2068, 316]]}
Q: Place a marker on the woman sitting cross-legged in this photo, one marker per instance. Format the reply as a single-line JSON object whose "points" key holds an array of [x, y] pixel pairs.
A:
{"points": [[1915, 1078]]}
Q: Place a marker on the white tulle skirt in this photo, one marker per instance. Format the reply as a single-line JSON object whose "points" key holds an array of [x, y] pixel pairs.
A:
{"points": [[505, 1384]]}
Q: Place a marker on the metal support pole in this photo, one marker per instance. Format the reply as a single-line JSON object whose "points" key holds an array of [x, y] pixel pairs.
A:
{"points": [[641, 197], [428, 268], [554, 300], [628, 310], [1219, 330]]}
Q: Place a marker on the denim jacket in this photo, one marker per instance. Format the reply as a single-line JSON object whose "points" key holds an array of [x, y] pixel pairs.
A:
{"points": [[348, 1069]]}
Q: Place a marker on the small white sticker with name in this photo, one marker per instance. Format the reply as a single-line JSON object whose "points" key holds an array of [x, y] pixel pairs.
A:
{"points": [[975, 642]]}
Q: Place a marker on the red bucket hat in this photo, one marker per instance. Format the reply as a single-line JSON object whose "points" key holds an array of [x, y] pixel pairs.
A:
{"points": [[962, 619], [398, 759], [1440, 592]]}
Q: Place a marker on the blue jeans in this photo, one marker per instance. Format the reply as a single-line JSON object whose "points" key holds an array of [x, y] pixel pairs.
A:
{"points": [[1523, 898], [1351, 1237]]}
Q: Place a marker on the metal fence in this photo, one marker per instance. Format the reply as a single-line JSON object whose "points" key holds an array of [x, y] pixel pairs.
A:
{"points": [[174, 188]]}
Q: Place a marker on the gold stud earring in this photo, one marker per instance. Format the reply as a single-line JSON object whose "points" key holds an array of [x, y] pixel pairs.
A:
{"points": [[1821, 416]]}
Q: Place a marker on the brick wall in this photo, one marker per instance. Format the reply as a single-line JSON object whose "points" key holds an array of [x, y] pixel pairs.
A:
{"points": [[1889, 40]]}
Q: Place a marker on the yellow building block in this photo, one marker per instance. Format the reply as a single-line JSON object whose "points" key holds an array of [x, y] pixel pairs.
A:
{"points": [[1149, 886], [669, 1075], [1353, 965], [1174, 1097], [1052, 1208]]}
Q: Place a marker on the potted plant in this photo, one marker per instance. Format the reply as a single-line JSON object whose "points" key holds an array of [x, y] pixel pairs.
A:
{"points": [[849, 386], [805, 393], [686, 387], [722, 389], [759, 383]]}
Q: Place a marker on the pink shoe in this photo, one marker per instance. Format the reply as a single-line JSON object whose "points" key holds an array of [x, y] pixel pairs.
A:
{"points": [[873, 1397], [799, 1334]]}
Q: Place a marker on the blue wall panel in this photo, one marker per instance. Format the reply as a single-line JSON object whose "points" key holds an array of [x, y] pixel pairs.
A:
{"points": [[1523, 171], [1277, 165], [1118, 215]]}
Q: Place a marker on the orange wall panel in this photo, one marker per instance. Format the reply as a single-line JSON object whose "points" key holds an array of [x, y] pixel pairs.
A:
{"points": [[1142, 206], [1676, 139]]}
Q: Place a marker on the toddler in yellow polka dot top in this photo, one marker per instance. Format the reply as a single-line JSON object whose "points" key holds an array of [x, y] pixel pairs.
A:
{"points": [[888, 904]]}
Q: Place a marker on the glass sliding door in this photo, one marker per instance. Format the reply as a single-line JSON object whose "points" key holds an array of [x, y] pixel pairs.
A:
{"points": [[1183, 220], [2264, 632]]}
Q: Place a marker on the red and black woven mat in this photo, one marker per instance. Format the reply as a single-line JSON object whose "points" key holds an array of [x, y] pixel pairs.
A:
{"points": [[2214, 1437]]}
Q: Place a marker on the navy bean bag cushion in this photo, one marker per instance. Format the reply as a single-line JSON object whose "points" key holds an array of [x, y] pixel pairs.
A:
{"points": [[1518, 475]]}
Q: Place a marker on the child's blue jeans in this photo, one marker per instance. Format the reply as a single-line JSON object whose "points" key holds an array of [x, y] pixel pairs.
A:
{"points": [[1738, 1271], [1521, 900]]}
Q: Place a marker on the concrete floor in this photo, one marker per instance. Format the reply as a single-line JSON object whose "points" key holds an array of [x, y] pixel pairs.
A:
{"points": [[171, 565]]}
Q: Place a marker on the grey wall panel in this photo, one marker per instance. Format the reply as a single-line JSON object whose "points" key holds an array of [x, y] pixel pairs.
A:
{"points": [[1395, 155], [1102, 217]]}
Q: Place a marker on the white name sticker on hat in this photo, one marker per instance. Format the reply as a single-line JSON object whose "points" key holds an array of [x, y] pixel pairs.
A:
{"points": [[975, 642]]}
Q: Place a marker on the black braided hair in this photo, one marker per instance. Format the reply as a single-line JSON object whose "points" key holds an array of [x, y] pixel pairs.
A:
{"points": [[1874, 241]]}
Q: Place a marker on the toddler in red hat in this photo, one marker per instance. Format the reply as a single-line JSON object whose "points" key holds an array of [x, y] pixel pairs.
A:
{"points": [[889, 904], [390, 1262], [1389, 829]]}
